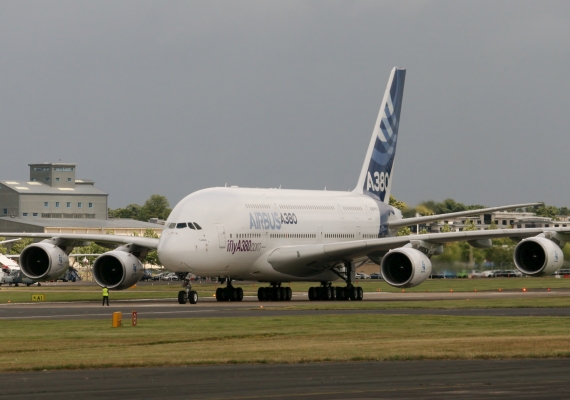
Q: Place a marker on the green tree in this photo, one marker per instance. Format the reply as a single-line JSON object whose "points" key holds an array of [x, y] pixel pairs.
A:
{"points": [[445, 228], [20, 245], [152, 256], [405, 231], [3, 249], [546, 211], [156, 206], [400, 205], [564, 211]]}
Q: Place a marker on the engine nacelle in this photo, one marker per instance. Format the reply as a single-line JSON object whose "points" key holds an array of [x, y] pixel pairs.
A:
{"points": [[43, 261], [537, 256], [117, 270], [405, 267]]}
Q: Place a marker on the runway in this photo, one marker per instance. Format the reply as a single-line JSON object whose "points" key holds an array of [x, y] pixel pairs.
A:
{"points": [[522, 379], [253, 308]]}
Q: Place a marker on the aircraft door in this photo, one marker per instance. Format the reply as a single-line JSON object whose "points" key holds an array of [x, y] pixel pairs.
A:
{"points": [[340, 211], [221, 236], [264, 236], [319, 234]]}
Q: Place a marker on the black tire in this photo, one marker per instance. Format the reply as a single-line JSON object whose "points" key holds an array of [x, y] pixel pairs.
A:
{"points": [[333, 293], [339, 293], [239, 292], [232, 294], [39, 284], [220, 294], [261, 294], [283, 293], [288, 294], [277, 294], [268, 294], [193, 297], [182, 298], [359, 293], [27, 284], [351, 293], [312, 293], [327, 292]]}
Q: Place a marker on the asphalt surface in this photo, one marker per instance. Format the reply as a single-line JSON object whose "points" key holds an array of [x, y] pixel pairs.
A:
{"points": [[92, 311], [521, 379]]}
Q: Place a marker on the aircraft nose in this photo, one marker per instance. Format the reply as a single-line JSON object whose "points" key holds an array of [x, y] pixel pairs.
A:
{"points": [[166, 249]]}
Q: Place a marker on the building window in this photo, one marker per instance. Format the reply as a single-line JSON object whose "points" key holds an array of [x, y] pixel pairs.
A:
{"points": [[46, 204], [35, 214], [57, 179], [68, 204], [90, 205], [47, 179], [24, 214], [79, 205], [57, 204], [69, 179], [5, 211]]}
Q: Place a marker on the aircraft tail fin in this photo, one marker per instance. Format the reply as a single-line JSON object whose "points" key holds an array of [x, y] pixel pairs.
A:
{"points": [[376, 176]]}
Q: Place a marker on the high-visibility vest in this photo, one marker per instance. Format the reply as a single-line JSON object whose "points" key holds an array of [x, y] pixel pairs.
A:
{"points": [[105, 292]]}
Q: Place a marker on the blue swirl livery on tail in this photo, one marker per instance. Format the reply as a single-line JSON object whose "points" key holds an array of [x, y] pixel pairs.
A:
{"points": [[376, 176]]}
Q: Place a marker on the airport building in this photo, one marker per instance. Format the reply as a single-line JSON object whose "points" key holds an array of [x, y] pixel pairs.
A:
{"points": [[53, 200], [52, 192], [500, 219]]}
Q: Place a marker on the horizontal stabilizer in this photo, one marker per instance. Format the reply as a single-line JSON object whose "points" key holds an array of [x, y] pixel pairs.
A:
{"points": [[399, 223]]}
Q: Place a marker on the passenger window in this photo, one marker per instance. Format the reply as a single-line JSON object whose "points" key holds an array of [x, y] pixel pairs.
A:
{"points": [[181, 225], [191, 225], [197, 226], [172, 225]]}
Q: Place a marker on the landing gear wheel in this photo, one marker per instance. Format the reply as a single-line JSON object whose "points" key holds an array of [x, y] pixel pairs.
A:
{"points": [[182, 298], [352, 293], [220, 295], [261, 294], [312, 293], [327, 293], [39, 284], [288, 294], [239, 292], [283, 293], [359, 293], [268, 294], [277, 294], [193, 297]]}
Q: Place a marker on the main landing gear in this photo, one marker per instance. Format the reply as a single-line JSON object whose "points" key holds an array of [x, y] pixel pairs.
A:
{"points": [[275, 292], [328, 292], [229, 293]]}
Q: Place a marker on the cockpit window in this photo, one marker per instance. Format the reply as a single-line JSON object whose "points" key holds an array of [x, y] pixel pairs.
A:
{"points": [[191, 225], [181, 225], [197, 226], [172, 225]]}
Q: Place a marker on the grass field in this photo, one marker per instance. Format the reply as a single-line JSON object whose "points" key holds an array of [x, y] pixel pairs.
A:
{"points": [[39, 345], [91, 292]]}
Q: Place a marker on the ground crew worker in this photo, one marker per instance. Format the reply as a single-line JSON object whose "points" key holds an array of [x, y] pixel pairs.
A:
{"points": [[105, 295]]}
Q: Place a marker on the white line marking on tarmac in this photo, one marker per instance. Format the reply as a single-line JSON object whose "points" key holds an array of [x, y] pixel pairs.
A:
{"points": [[104, 315]]}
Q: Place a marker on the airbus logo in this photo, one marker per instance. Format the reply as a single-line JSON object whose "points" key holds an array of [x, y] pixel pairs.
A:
{"points": [[379, 182]]}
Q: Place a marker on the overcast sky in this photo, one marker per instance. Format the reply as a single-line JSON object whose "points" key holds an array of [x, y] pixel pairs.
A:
{"points": [[170, 97]]}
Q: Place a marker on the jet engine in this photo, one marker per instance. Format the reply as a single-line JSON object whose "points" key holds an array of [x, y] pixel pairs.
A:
{"points": [[117, 270], [43, 261], [405, 267], [537, 256]]}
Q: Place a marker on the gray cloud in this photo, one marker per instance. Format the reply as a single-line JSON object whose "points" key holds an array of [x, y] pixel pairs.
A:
{"points": [[170, 97]]}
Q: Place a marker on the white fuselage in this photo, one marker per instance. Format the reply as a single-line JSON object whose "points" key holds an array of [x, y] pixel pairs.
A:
{"points": [[240, 228]]}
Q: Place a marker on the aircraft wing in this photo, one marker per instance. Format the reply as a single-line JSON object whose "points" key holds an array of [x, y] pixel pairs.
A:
{"points": [[398, 223], [300, 260], [140, 241]]}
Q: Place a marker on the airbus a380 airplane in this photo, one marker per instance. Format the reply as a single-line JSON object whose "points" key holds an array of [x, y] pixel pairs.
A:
{"points": [[277, 236]]}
